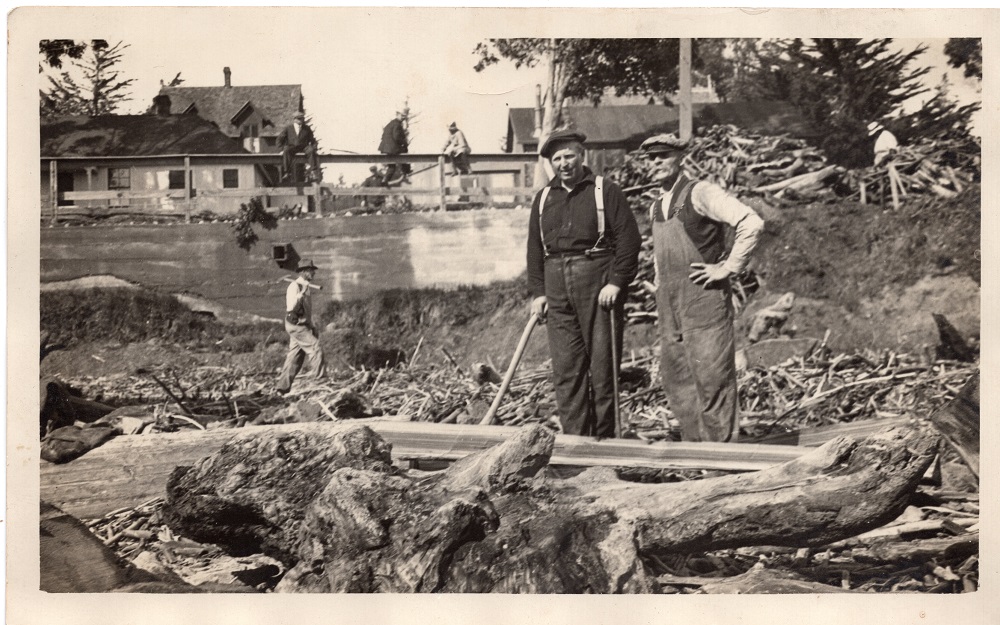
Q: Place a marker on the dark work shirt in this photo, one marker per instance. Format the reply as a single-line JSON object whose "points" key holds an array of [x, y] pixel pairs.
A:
{"points": [[570, 225]]}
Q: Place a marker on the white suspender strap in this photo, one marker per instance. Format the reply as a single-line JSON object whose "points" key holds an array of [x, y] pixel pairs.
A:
{"points": [[542, 196], [599, 202]]}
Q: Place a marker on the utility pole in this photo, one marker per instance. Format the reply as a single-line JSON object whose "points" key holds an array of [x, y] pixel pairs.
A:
{"points": [[684, 91]]}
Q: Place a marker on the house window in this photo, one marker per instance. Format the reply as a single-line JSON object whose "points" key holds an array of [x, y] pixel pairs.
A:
{"points": [[176, 179], [119, 178], [230, 178]]}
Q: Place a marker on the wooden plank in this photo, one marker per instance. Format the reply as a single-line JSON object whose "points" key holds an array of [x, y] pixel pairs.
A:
{"points": [[408, 190], [129, 470], [813, 437], [176, 194]]}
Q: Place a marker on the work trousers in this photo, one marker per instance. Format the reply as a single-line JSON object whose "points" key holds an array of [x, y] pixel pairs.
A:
{"points": [[579, 332], [697, 343], [460, 163], [288, 161], [303, 347]]}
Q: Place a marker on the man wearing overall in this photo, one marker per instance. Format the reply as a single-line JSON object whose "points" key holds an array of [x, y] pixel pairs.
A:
{"points": [[583, 251], [693, 298]]}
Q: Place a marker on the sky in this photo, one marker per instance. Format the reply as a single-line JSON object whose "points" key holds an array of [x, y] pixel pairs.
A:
{"points": [[356, 69]]}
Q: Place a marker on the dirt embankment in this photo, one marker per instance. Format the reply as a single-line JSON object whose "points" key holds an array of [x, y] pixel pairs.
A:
{"points": [[870, 276]]}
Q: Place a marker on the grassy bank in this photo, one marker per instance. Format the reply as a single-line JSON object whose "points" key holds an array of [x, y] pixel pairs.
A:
{"points": [[126, 315]]}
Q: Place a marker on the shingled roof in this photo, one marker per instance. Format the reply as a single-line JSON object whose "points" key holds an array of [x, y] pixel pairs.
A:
{"points": [[220, 105], [133, 135], [628, 125]]}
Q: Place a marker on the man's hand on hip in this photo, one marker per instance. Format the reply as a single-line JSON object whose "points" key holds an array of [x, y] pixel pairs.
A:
{"points": [[539, 307], [708, 275], [606, 298]]}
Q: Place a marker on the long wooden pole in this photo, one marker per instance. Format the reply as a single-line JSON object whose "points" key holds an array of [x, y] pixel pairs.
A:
{"points": [[187, 189], [492, 412], [441, 184], [684, 95]]}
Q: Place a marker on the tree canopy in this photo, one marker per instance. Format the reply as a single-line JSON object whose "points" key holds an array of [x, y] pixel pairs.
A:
{"points": [[95, 87], [967, 52]]}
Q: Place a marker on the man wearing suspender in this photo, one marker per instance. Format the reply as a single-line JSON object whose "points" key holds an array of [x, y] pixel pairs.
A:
{"points": [[583, 252], [693, 298]]}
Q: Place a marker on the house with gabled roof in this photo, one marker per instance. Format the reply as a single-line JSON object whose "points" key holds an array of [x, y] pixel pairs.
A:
{"points": [[253, 115], [144, 153]]}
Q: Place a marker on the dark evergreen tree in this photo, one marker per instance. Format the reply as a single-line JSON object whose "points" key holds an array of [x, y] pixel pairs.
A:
{"points": [[841, 85], [967, 52], [97, 90]]}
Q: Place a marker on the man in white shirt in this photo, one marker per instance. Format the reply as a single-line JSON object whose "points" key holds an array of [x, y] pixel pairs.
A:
{"points": [[693, 299], [303, 344]]}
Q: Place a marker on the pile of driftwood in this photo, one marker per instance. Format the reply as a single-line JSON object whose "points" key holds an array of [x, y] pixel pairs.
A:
{"points": [[944, 168], [789, 170], [797, 528], [744, 163], [823, 388], [819, 388]]}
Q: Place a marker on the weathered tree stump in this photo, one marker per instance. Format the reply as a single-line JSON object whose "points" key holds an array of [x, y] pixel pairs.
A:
{"points": [[344, 519]]}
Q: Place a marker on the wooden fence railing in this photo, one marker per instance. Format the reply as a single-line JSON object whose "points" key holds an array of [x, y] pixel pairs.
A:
{"points": [[185, 202]]}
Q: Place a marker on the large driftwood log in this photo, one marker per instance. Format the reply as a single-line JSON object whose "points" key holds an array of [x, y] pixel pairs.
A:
{"points": [[958, 422], [343, 518]]}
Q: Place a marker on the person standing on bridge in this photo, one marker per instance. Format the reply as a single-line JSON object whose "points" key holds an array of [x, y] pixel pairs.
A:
{"points": [[693, 297], [583, 252], [303, 338]]}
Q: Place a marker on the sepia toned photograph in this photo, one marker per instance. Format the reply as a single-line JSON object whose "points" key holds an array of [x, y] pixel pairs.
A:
{"points": [[496, 303]]}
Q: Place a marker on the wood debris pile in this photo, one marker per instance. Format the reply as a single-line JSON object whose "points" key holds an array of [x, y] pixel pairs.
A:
{"points": [[789, 170], [821, 388], [933, 547], [140, 536], [944, 168], [742, 162], [825, 388]]}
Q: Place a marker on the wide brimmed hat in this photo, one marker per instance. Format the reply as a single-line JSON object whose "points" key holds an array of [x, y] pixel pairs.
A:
{"points": [[561, 136], [306, 264], [663, 144], [452, 126]]}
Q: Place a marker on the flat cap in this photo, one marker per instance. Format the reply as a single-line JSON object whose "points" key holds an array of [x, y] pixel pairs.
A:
{"points": [[306, 264], [561, 136], [665, 143]]}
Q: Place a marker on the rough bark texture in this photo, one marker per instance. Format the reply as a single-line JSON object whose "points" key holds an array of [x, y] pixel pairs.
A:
{"points": [[344, 519], [958, 422]]}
